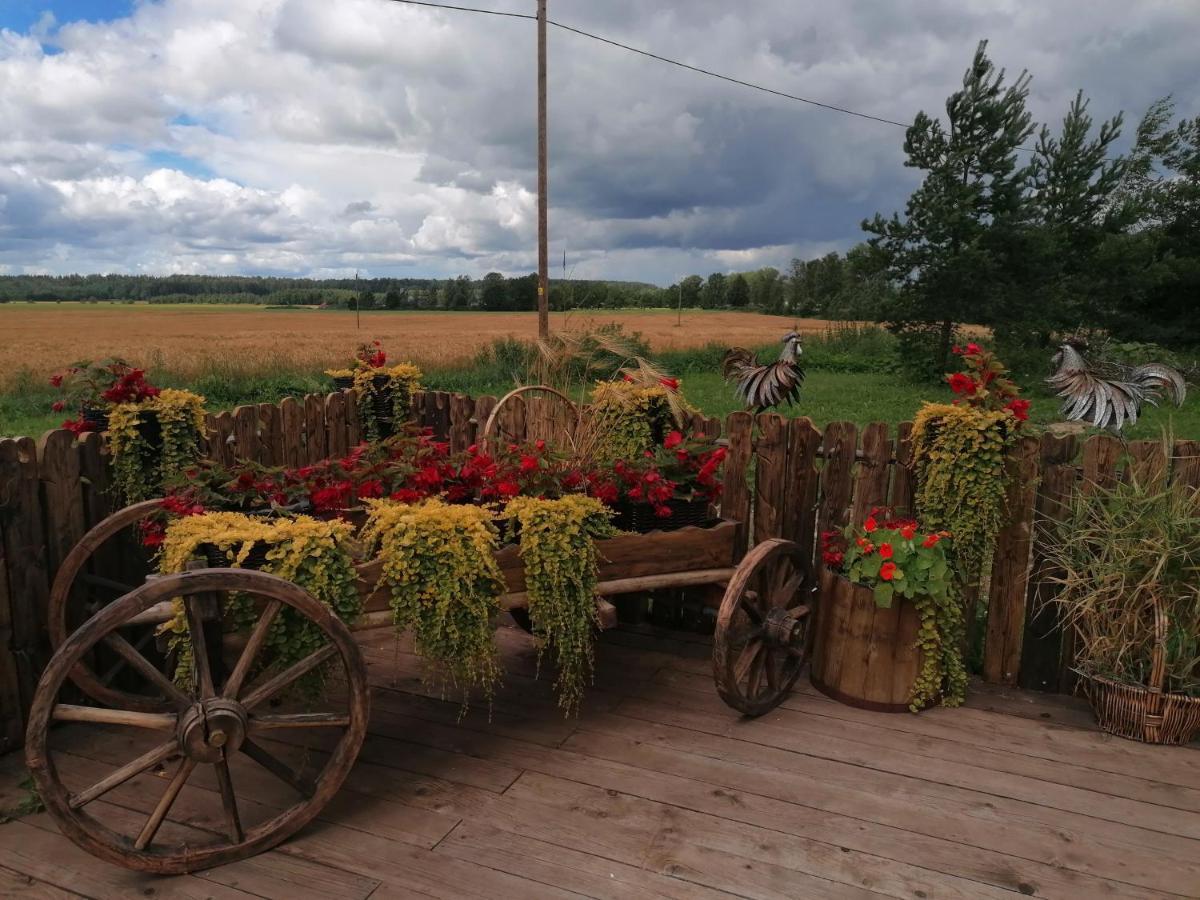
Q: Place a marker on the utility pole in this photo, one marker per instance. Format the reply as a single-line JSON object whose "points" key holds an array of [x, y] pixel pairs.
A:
{"points": [[679, 306], [543, 297], [357, 313]]}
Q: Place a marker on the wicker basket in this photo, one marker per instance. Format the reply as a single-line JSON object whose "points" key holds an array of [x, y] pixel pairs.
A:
{"points": [[1141, 712], [216, 558]]}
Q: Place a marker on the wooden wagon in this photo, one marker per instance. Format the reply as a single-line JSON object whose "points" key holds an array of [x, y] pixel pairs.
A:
{"points": [[105, 672]]}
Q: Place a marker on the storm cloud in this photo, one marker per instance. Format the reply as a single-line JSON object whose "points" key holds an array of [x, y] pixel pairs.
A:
{"points": [[309, 137]]}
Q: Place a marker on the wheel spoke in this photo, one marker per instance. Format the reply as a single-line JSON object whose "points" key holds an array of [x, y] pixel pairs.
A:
{"points": [[782, 597], [772, 671], [146, 668], [164, 805], [273, 686], [746, 660], [118, 587], [279, 769], [107, 678], [120, 776], [756, 670], [200, 660], [258, 637], [67, 712], [229, 800], [746, 602], [299, 720]]}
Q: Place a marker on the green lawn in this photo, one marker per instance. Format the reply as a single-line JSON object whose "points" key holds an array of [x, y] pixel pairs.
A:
{"points": [[859, 397]]}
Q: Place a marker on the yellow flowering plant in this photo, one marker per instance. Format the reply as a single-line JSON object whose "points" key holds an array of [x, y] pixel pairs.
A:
{"points": [[153, 441]]}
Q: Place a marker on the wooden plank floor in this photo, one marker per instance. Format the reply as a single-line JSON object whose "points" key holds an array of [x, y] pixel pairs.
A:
{"points": [[659, 790]]}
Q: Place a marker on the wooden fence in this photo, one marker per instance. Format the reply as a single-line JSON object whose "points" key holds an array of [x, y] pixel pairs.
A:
{"points": [[784, 478]]}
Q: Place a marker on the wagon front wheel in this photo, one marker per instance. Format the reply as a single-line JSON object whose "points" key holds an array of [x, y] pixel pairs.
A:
{"points": [[764, 627], [237, 761]]}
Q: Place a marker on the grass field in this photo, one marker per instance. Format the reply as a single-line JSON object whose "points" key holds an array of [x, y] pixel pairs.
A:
{"points": [[236, 354]]}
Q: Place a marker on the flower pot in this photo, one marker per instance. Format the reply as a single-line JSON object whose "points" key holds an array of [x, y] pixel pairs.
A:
{"points": [[642, 518], [1141, 713], [95, 418], [343, 382], [864, 656], [216, 558]]}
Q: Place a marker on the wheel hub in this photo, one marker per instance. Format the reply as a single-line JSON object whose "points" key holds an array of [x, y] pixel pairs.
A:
{"points": [[211, 729], [780, 628]]}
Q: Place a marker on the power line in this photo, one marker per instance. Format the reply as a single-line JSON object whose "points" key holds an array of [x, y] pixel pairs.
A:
{"points": [[682, 65], [729, 78], [664, 59], [474, 9]]}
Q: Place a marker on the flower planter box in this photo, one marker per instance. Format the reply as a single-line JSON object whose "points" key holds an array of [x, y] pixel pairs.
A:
{"points": [[865, 656], [642, 519]]}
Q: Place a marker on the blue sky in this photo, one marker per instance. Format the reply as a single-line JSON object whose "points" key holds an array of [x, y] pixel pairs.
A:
{"points": [[20, 15], [315, 137]]}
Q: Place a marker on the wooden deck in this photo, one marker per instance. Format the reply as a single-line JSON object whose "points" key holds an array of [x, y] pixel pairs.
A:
{"points": [[658, 789]]}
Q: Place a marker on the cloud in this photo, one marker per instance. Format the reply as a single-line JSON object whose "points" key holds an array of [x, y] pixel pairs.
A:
{"points": [[300, 136]]}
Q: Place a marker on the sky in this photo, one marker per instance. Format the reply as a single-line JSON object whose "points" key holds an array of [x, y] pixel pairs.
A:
{"points": [[324, 137]]}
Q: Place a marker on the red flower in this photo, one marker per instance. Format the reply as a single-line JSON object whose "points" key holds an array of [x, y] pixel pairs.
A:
{"points": [[885, 550], [370, 489], [58, 406], [887, 571], [673, 440], [529, 463], [870, 525], [961, 384], [1019, 408], [930, 541], [974, 349], [508, 488], [56, 380], [908, 530], [76, 426], [663, 512], [956, 350], [407, 495], [833, 558]]}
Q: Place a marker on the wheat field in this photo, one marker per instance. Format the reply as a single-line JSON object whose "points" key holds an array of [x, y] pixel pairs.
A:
{"points": [[40, 338]]}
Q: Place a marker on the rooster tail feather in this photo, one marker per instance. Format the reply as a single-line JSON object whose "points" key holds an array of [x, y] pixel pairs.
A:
{"points": [[1156, 377]]}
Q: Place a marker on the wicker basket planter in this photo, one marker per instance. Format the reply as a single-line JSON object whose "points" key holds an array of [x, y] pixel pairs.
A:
{"points": [[95, 418], [216, 558], [1145, 712]]}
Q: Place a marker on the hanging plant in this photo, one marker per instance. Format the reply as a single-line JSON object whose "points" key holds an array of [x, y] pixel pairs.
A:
{"points": [[439, 564], [308, 552], [558, 549], [153, 441], [383, 393]]}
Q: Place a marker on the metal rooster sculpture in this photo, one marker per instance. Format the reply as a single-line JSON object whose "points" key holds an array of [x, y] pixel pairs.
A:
{"points": [[1109, 396], [763, 386]]}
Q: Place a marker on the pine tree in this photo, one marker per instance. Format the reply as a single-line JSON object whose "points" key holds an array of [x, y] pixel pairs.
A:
{"points": [[949, 252]]}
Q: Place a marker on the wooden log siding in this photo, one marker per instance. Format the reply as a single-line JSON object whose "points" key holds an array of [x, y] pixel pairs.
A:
{"points": [[784, 478]]}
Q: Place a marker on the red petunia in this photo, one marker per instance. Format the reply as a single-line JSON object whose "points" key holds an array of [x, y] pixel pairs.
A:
{"points": [[529, 463], [1019, 407], [673, 440], [961, 384], [974, 349]]}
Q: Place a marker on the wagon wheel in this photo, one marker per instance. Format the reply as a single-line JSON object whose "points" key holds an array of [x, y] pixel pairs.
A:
{"points": [[497, 427], [764, 627], [211, 739], [77, 595]]}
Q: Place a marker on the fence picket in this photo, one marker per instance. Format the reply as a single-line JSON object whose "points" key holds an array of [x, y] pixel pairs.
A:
{"points": [[839, 447], [735, 503], [316, 445], [291, 428], [803, 487], [874, 471], [770, 477]]}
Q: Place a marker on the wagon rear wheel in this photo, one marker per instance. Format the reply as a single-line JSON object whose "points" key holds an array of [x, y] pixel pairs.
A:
{"points": [[232, 766], [80, 591], [535, 410], [765, 627]]}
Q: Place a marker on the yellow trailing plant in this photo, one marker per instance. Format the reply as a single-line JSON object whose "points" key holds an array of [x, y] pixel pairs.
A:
{"points": [[311, 553], [153, 441], [439, 564], [959, 456], [557, 546]]}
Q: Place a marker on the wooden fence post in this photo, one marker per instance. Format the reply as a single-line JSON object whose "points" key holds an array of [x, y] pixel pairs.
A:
{"points": [[874, 472], [1010, 569], [1042, 644], [839, 446], [245, 434], [316, 446], [803, 487], [336, 443], [770, 477], [735, 503]]}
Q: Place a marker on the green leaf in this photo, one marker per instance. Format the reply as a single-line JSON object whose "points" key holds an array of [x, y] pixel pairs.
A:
{"points": [[883, 595]]}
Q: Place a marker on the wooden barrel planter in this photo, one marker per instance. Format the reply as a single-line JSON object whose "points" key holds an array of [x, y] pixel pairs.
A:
{"points": [[865, 656]]}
